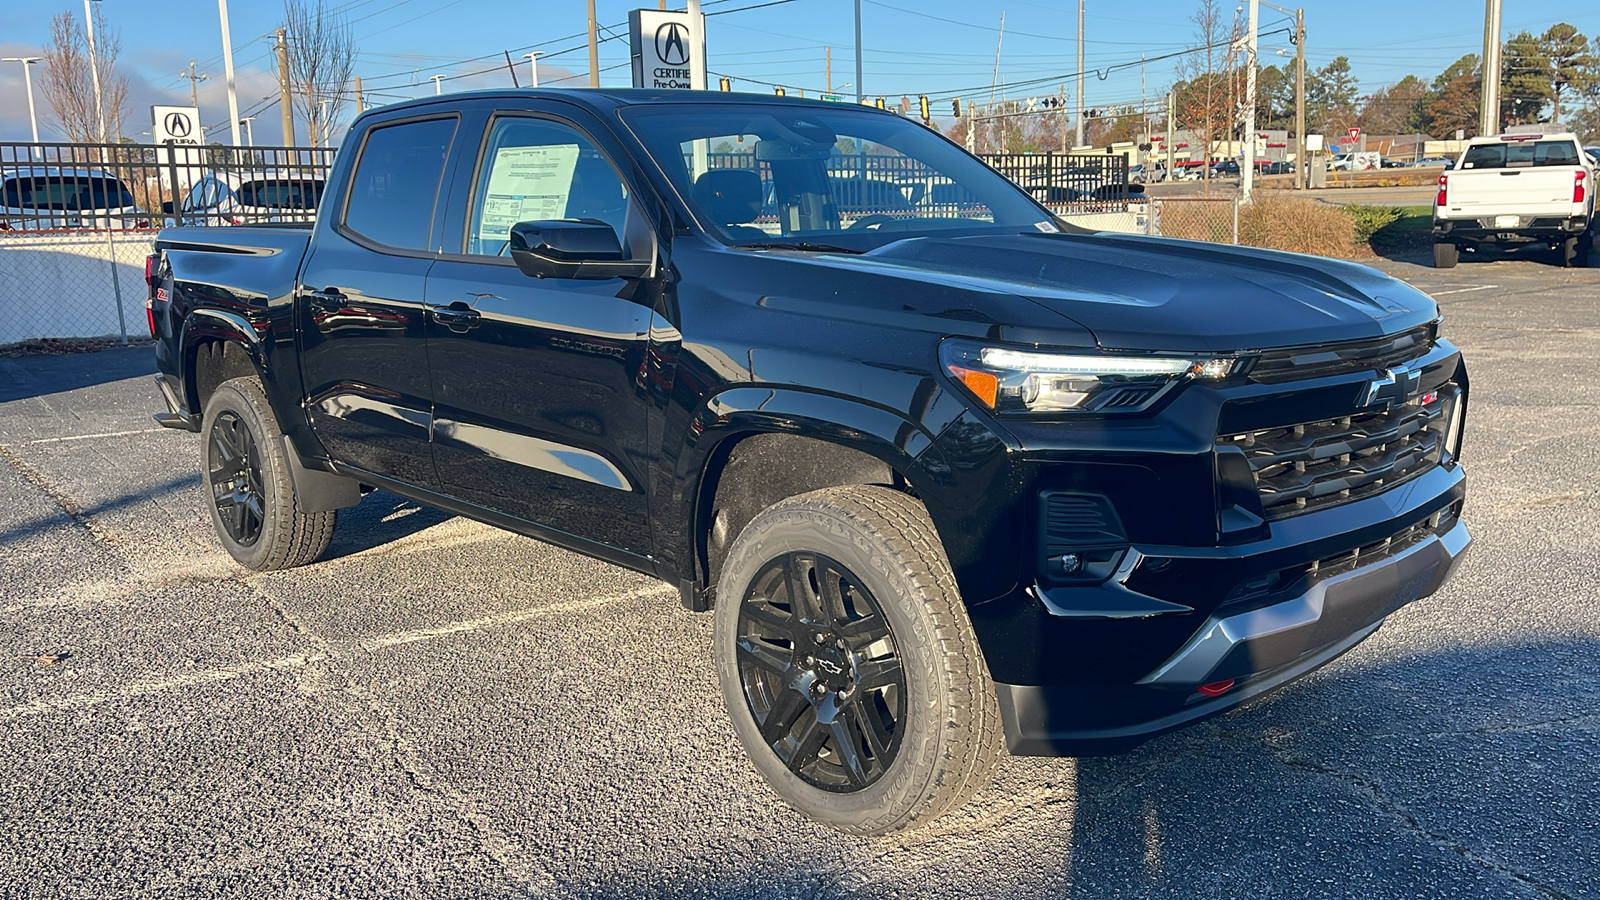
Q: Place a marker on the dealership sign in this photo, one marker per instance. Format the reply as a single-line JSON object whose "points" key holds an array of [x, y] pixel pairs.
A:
{"points": [[668, 48], [176, 124]]}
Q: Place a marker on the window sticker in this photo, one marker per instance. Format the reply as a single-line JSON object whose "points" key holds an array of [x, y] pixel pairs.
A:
{"points": [[1046, 227], [526, 184]]}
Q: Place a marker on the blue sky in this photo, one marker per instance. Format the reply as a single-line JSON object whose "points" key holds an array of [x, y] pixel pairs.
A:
{"points": [[911, 46]]}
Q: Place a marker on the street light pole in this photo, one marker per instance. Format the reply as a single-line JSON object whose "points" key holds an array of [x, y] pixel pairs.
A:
{"points": [[533, 65], [436, 89], [1248, 178], [27, 82], [227, 70], [861, 91], [249, 132], [94, 72], [1489, 112], [1082, 104]]}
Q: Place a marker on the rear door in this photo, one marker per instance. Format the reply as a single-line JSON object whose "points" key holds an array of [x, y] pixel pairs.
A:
{"points": [[359, 306], [537, 382]]}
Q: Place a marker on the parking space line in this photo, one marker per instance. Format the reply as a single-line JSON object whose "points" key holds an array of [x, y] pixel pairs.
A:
{"points": [[90, 437], [140, 687], [1481, 287]]}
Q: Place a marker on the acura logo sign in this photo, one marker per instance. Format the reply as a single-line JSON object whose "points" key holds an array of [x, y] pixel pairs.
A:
{"points": [[178, 125], [672, 44]]}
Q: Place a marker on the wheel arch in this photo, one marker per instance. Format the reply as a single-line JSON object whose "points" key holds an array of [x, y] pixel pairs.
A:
{"points": [[751, 447], [217, 345]]}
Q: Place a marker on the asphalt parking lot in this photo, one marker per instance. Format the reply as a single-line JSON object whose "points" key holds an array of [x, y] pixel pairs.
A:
{"points": [[442, 709]]}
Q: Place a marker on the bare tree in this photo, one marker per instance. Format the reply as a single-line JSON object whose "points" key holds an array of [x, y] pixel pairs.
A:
{"points": [[322, 55], [68, 84], [1203, 101]]}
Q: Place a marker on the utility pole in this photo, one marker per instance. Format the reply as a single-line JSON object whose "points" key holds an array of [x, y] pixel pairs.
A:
{"points": [[1302, 171], [828, 69], [861, 88], [1248, 177], [361, 100], [249, 134], [27, 83], [194, 84], [594, 48], [227, 72], [533, 66], [1082, 102], [1061, 110], [1489, 112], [285, 98], [1172, 132], [94, 72]]}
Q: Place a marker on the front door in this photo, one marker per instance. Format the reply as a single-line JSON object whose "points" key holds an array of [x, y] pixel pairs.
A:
{"points": [[539, 408], [360, 309]]}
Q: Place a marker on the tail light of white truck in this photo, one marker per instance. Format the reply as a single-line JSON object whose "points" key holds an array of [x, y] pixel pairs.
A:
{"points": [[1577, 185], [1444, 185]]}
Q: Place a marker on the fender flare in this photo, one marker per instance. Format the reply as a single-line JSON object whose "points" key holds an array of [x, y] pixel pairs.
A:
{"points": [[220, 325]]}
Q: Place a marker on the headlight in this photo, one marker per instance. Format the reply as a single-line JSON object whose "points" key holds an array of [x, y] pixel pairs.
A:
{"points": [[1038, 381]]}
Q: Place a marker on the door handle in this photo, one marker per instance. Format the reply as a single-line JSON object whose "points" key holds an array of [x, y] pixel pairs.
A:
{"points": [[458, 316], [330, 300]]}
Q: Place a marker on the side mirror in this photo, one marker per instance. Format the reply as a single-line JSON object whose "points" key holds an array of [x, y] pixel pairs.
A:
{"points": [[166, 207], [585, 249]]}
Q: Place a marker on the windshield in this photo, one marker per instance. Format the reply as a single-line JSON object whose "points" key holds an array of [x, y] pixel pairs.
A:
{"points": [[66, 192], [763, 173]]}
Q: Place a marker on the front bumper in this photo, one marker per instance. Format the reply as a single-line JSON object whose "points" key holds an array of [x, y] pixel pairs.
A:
{"points": [[1258, 650]]}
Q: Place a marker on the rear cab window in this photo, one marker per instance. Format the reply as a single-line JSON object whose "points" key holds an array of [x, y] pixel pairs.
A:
{"points": [[1521, 155], [395, 183]]}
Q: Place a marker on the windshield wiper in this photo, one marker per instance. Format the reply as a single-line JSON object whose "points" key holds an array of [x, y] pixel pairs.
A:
{"points": [[806, 246]]}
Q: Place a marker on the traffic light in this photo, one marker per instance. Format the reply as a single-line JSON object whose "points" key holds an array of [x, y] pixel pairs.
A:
{"points": [[881, 104], [726, 84], [922, 106], [778, 91], [955, 106]]}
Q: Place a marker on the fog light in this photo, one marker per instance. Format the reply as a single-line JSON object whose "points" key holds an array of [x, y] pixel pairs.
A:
{"points": [[1066, 564]]}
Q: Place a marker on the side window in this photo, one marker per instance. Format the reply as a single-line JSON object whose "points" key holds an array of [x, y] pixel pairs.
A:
{"points": [[536, 169], [396, 182]]}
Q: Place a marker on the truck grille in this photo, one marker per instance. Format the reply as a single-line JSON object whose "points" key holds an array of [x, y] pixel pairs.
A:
{"points": [[1312, 465]]}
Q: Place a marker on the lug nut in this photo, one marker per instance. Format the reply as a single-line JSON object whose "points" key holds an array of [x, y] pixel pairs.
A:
{"points": [[818, 638], [819, 688], [839, 643], [811, 662]]}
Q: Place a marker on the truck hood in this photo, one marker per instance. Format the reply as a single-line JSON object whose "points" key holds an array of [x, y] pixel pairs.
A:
{"points": [[1158, 294]]}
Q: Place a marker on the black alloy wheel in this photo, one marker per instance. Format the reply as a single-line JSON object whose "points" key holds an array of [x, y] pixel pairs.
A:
{"points": [[235, 478], [820, 671]]}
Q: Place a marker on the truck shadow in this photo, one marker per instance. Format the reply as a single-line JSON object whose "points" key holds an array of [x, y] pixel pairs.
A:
{"points": [[380, 518], [35, 375]]}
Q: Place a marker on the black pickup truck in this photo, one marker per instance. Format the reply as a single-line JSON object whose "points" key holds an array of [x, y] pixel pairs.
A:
{"points": [[950, 474]]}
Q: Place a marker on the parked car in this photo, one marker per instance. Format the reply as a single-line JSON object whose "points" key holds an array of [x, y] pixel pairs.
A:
{"points": [[47, 198], [1141, 174], [1385, 162], [1435, 161], [240, 198], [947, 485], [1517, 189], [1277, 168], [1594, 154]]}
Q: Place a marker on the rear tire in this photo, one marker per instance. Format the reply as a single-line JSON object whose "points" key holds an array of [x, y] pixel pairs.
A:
{"points": [[1445, 255], [1569, 252], [848, 663], [250, 488]]}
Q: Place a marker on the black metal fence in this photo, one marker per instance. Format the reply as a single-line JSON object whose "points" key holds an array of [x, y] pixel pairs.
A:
{"points": [[1086, 182], [131, 187]]}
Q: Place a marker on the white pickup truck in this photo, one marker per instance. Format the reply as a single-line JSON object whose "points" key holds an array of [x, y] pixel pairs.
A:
{"points": [[1516, 189]]}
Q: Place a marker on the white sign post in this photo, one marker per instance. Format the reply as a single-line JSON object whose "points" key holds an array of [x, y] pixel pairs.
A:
{"points": [[173, 127], [668, 49]]}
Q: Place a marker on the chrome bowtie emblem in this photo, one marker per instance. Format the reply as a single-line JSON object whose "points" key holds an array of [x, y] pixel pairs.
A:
{"points": [[1394, 386]]}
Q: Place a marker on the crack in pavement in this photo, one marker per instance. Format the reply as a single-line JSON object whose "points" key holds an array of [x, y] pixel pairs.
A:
{"points": [[63, 500], [1380, 800]]}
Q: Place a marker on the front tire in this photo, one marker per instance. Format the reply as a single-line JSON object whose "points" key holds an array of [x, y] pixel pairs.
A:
{"points": [[1445, 255], [251, 490], [848, 663]]}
